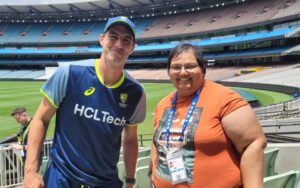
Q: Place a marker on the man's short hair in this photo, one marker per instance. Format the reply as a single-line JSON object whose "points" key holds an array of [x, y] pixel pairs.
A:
{"points": [[18, 110]]}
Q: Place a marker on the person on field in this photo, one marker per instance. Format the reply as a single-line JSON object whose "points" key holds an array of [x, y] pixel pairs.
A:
{"points": [[21, 116]]}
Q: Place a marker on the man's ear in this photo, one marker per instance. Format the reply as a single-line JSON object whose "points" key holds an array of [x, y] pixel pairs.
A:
{"points": [[133, 47], [101, 39]]}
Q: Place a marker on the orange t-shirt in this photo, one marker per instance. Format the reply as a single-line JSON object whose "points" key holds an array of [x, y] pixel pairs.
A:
{"points": [[210, 158]]}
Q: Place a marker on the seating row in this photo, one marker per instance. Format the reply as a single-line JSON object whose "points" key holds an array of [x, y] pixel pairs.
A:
{"points": [[290, 179]]}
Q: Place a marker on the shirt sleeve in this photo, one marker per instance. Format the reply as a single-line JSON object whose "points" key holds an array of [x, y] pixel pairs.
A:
{"points": [[232, 101], [140, 111], [55, 88]]}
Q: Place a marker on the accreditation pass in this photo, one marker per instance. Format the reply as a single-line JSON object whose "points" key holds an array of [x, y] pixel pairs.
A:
{"points": [[176, 167]]}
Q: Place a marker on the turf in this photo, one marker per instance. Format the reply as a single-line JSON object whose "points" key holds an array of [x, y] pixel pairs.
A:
{"points": [[268, 97], [16, 93]]}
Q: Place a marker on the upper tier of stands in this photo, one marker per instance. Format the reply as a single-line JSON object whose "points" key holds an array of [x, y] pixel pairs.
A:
{"points": [[216, 41], [222, 18], [215, 19], [47, 33]]}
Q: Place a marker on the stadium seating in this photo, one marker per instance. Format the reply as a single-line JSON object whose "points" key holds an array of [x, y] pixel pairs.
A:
{"points": [[43, 166], [144, 153], [283, 180], [141, 176], [121, 169], [143, 161], [269, 161]]}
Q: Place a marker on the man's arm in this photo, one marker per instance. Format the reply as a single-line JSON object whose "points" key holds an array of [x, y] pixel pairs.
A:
{"points": [[36, 138], [245, 132], [130, 151]]}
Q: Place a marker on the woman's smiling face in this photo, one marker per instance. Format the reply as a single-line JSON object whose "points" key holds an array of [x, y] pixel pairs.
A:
{"points": [[185, 73]]}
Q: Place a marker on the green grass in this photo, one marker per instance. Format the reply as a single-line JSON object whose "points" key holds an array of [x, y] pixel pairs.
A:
{"points": [[16, 93], [154, 93], [268, 97]]}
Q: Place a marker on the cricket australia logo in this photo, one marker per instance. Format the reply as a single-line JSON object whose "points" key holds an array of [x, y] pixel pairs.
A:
{"points": [[123, 98]]}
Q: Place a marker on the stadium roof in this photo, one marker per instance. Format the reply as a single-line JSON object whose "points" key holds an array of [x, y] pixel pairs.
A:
{"points": [[91, 10]]}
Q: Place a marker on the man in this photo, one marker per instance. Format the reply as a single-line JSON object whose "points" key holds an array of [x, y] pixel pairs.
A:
{"points": [[93, 102], [21, 116]]}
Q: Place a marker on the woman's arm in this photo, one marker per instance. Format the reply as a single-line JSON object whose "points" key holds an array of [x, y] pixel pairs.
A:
{"points": [[245, 132]]}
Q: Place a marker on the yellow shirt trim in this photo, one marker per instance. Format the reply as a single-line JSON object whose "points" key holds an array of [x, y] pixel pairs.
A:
{"points": [[48, 98], [25, 132], [131, 125], [101, 79]]}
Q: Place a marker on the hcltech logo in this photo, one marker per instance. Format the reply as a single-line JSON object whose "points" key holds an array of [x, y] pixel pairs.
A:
{"points": [[89, 91], [100, 116], [123, 98]]}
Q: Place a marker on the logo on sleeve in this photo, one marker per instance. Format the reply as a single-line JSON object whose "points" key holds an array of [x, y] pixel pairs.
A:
{"points": [[89, 91], [123, 98]]}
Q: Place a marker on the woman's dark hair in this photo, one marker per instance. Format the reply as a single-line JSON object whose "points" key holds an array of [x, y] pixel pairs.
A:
{"points": [[197, 50]]}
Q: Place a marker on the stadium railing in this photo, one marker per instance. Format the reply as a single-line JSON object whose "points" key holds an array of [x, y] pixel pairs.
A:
{"points": [[12, 172], [11, 169]]}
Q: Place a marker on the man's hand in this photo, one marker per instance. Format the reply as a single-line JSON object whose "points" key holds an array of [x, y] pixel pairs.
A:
{"points": [[15, 147], [33, 180]]}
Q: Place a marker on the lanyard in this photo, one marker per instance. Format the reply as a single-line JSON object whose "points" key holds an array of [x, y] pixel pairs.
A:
{"points": [[188, 116]]}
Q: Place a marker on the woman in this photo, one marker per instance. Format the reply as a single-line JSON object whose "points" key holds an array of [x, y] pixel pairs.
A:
{"points": [[205, 135]]}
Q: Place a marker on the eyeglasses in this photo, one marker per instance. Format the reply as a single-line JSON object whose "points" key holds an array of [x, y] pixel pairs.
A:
{"points": [[187, 67]]}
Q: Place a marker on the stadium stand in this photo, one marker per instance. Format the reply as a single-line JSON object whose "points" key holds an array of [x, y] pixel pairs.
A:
{"points": [[286, 180], [141, 176], [286, 75], [269, 161]]}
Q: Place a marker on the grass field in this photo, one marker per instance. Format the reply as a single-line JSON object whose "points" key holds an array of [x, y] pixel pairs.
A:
{"points": [[16, 93], [268, 97]]}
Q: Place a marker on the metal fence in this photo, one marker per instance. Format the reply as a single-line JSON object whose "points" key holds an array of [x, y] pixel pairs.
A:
{"points": [[11, 170]]}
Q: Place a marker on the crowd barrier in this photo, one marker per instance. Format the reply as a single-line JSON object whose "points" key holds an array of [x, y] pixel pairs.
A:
{"points": [[12, 172], [11, 169]]}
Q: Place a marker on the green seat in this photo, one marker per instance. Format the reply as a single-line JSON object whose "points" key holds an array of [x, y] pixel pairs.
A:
{"points": [[269, 161], [144, 153], [43, 167], [121, 170], [121, 158], [141, 177], [283, 180], [143, 161], [297, 181]]}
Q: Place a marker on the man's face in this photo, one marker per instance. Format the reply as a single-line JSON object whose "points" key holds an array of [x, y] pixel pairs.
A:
{"points": [[117, 44], [21, 118]]}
